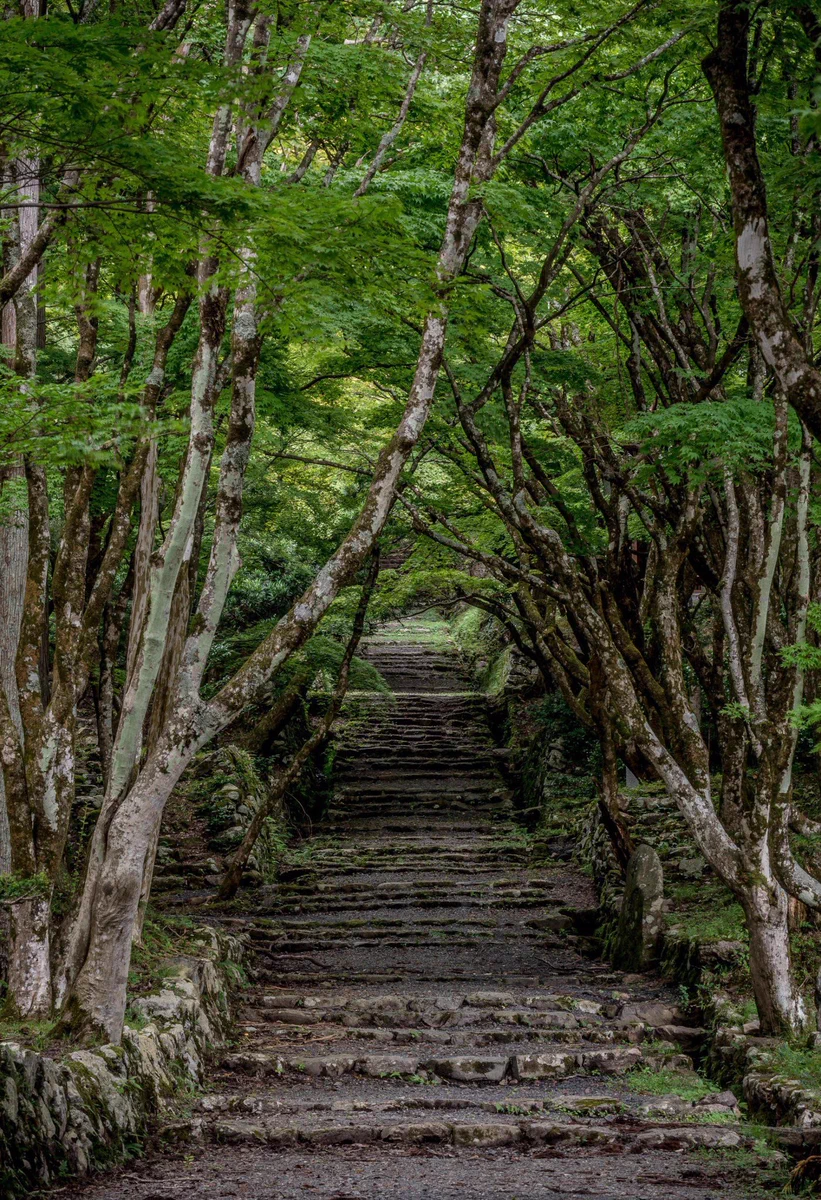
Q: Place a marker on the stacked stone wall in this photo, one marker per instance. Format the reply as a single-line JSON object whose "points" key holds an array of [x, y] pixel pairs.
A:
{"points": [[93, 1108]]}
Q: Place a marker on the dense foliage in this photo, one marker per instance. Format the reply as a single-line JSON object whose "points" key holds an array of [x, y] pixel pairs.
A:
{"points": [[526, 295]]}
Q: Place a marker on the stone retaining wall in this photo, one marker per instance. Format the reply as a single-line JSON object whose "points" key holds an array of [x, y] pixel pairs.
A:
{"points": [[91, 1109], [734, 1055]]}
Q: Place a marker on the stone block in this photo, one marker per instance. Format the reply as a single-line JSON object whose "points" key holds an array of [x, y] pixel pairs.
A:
{"points": [[485, 1135], [551, 1065], [614, 1061], [329, 1067], [417, 1133], [469, 1069], [490, 999], [641, 918], [380, 1066]]}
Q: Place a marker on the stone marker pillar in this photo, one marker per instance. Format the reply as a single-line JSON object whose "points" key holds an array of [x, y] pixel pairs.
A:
{"points": [[640, 922]]}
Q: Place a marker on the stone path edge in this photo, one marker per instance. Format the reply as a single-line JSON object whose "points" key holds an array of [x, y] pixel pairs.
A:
{"points": [[90, 1111]]}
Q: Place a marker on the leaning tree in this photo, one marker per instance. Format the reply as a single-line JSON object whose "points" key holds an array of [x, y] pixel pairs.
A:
{"points": [[629, 469]]}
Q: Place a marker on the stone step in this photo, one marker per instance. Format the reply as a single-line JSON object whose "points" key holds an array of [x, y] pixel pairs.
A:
{"points": [[373, 1097], [448, 941], [365, 904], [415, 869], [435, 889], [280, 1037], [416, 891], [471, 1135], [327, 975], [490, 814], [427, 1062], [640, 1020], [547, 922], [371, 825], [461, 926], [439, 845], [352, 907], [474, 770]]}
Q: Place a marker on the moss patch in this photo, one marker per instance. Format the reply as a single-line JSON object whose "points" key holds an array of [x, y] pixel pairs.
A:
{"points": [[163, 938], [686, 1085]]}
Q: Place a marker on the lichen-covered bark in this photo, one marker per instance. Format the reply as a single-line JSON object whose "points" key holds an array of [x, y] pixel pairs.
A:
{"points": [[29, 982], [758, 283]]}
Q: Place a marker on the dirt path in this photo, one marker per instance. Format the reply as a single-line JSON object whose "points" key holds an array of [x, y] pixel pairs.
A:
{"points": [[426, 1021]]}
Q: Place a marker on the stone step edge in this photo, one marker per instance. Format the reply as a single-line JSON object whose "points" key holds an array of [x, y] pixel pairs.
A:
{"points": [[527, 1134], [475, 1068]]}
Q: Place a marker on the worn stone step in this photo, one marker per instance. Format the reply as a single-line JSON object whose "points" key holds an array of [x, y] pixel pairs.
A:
{"points": [[332, 924], [269, 1031], [471, 1134], [504, 885], [372, 1097], [280, 1037], [425, 1063]]}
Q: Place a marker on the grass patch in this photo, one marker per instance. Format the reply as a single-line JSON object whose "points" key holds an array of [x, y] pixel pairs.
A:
{"points": [[801, 1064], [706, 910], [760, 1165], [687, 1086], [710, 1118], [33, 1034]]}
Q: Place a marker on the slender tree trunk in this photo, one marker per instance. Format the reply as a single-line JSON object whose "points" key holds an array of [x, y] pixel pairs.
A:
{"points": [[261, 738], [13, 570], [97, 1000], [726, 68], [19, 333], [305, 162], [609, 807], [611, 814], [163, 692], [113, 620], [25, 924], [146, 535], [393, 133]]}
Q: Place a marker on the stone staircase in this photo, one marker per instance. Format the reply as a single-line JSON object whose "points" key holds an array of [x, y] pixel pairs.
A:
{"points": [[428, 1018], [422, 986]]}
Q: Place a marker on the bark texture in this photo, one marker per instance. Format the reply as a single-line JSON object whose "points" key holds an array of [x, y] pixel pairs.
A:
{"points": [[726, 69]]}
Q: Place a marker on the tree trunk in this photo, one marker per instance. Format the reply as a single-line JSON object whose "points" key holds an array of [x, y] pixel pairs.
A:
{"points": [[780, 1010], [96, 1006], [19, 333], [759, 289], [113, 617], [261, 738], [13, 570], [609, 807], [29, 982], [144, 548], [175, 643]]}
